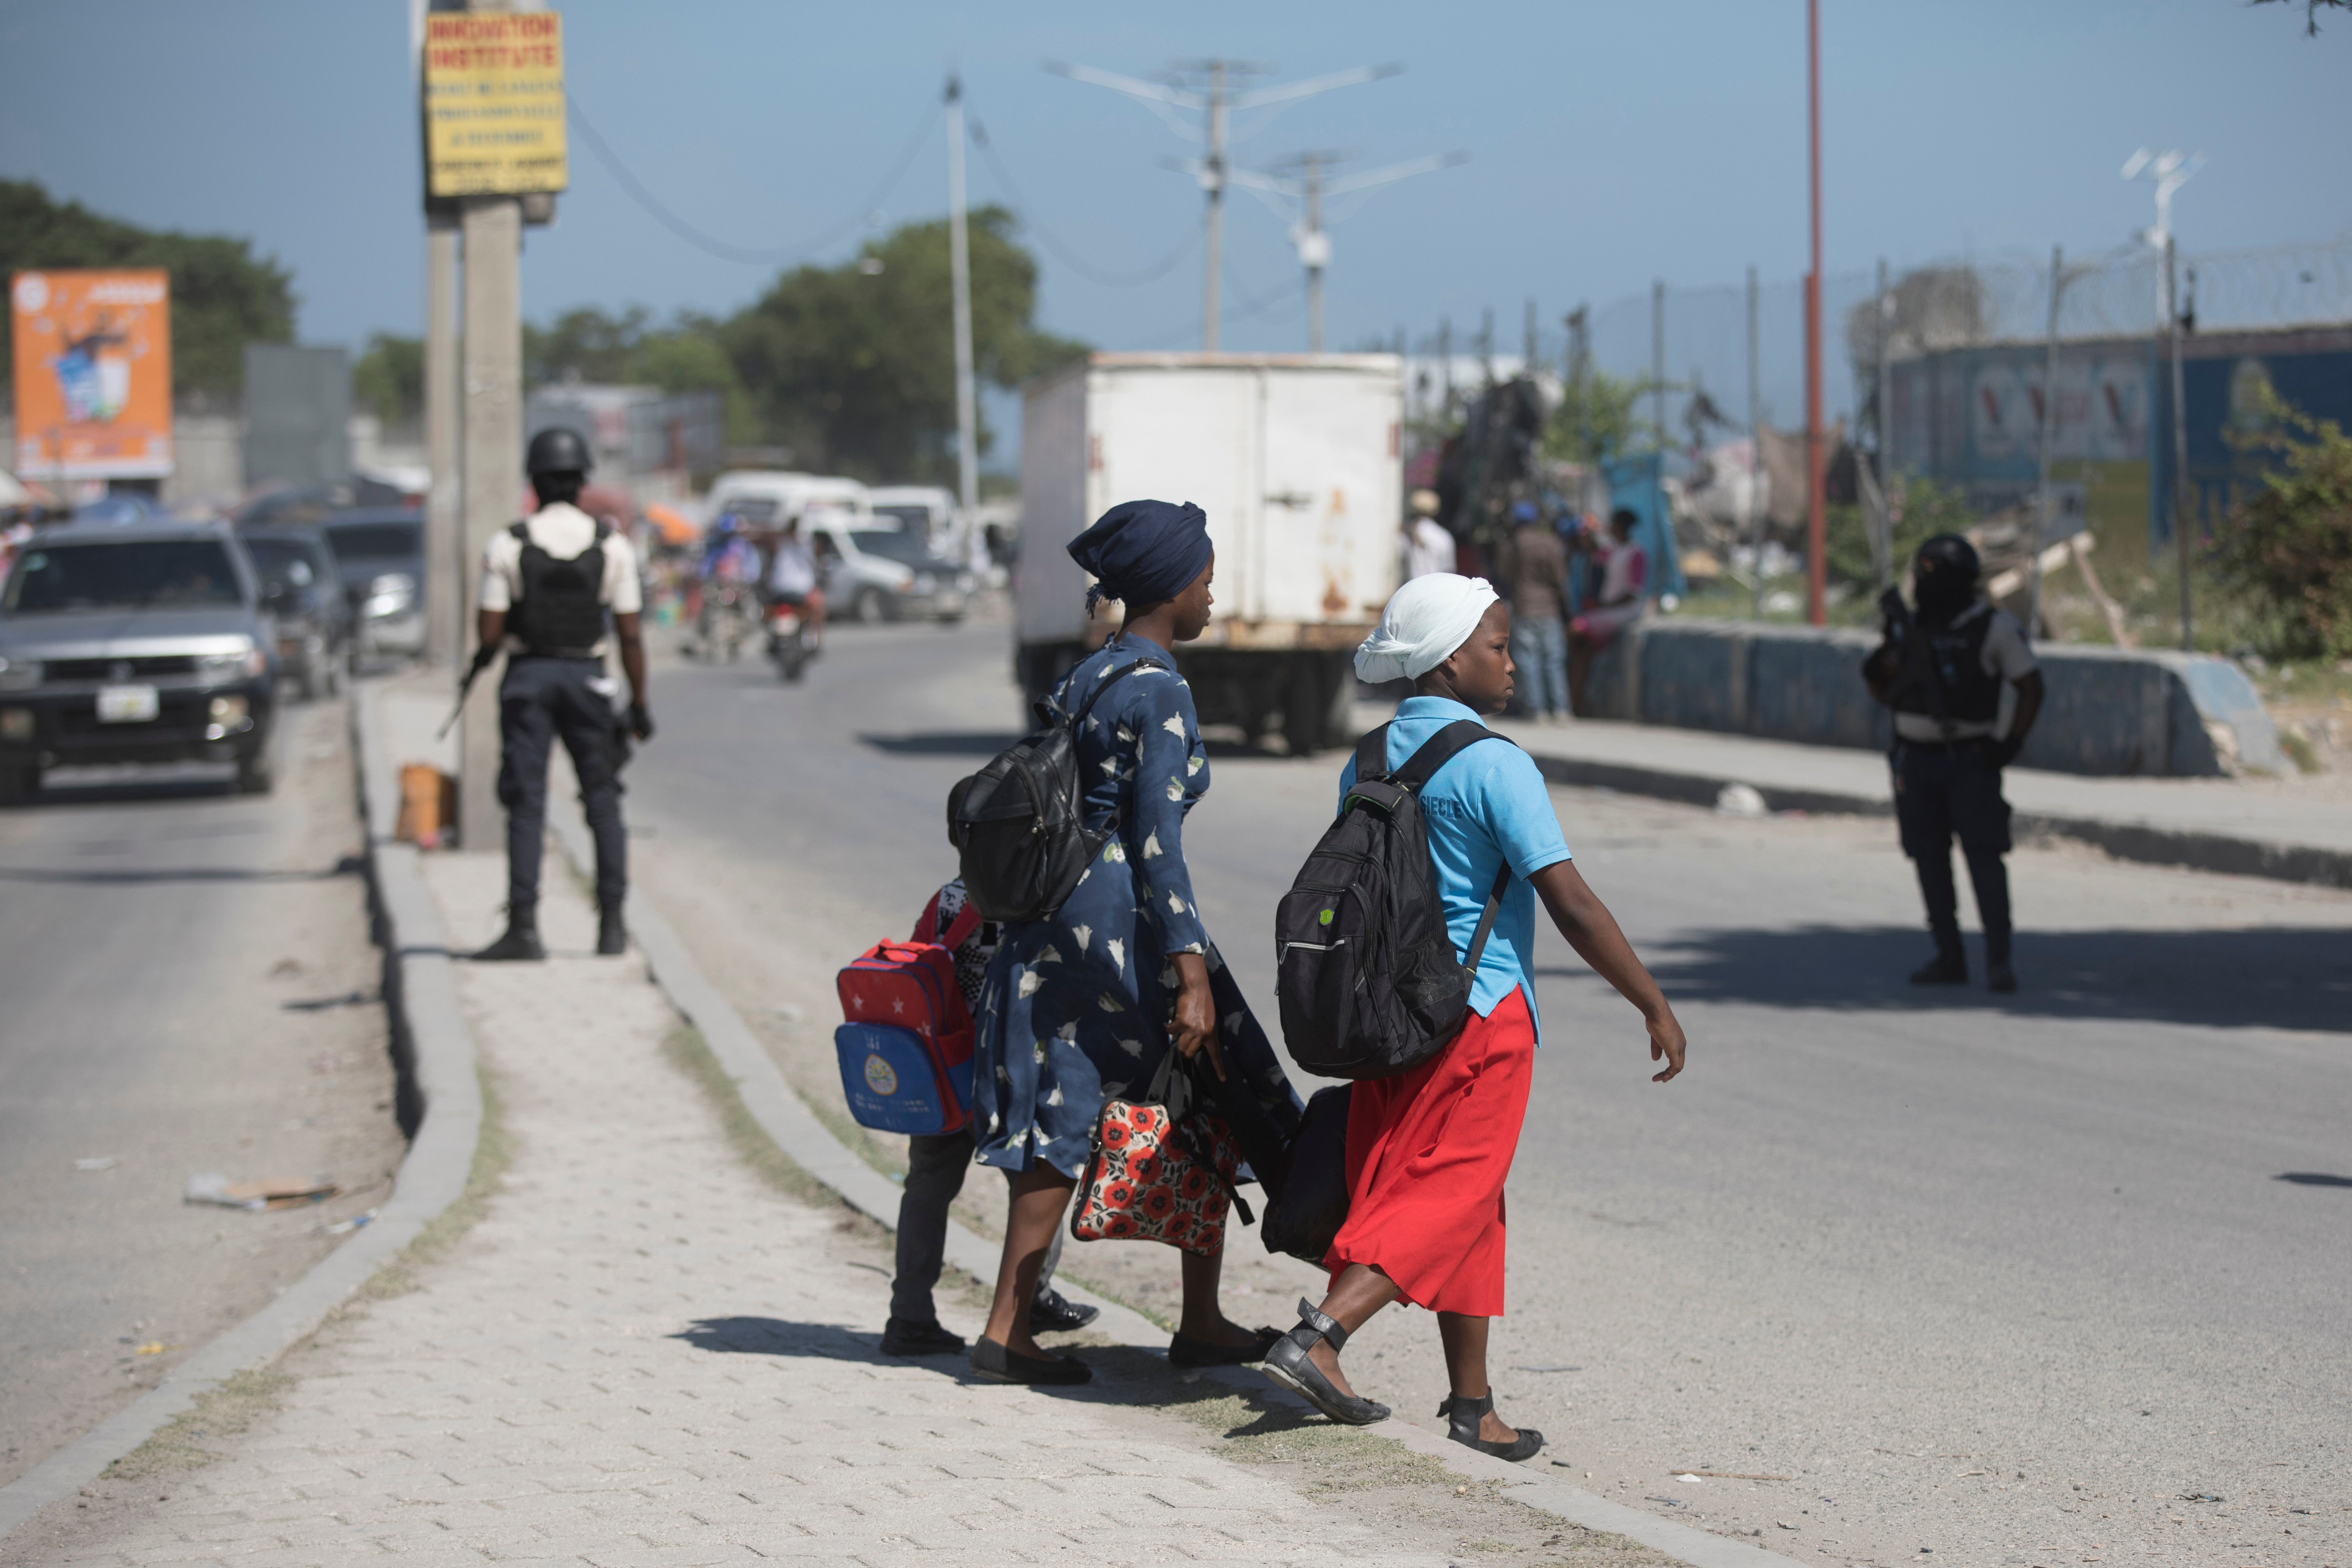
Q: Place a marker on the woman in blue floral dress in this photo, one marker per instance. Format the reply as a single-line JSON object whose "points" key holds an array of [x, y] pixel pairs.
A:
{"points": [[1086, 1002]]}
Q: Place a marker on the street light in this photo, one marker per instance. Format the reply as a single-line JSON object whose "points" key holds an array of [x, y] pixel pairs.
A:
{"points": [[1217, 103], [2170, 170], [1300, 197]]}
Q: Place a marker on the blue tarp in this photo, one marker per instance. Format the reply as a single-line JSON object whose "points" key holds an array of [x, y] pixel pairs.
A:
{"points": [[1635, 485]]}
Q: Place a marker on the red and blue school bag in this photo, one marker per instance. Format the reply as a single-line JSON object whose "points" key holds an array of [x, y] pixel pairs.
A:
{"points": [[906, 1044]]}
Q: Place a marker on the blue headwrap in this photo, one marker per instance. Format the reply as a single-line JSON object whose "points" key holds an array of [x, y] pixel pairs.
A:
{"points": [[1143, 552]]}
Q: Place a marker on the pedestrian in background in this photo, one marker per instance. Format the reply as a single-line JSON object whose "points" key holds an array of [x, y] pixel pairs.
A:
{"points": [[1426, 546], [1429, 1149], [1618, 603], [1086, 1002], [1535, 575], [559, 590], [1966, 690]]}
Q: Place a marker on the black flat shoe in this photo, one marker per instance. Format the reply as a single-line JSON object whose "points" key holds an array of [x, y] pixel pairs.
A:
{"points": [[1051, 1314], [1463, 1415], [903, 1336], [520, 946], [1944, 969], [1289, 1365], [1185, 1351], [1998, 976], [991, 1362]]}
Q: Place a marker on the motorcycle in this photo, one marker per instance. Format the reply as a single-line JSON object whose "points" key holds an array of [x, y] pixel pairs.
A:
{"points": [[789, 645]]}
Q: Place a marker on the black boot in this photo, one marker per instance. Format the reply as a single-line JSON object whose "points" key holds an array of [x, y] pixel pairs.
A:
{"points": [[1462, 1416], [612, 936], [1948, 967], [1288, 1364], [1998, 976], [520, 945]]}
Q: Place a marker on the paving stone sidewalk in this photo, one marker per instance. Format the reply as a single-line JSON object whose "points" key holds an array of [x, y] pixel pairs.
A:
{"points": [[643, 1354]]}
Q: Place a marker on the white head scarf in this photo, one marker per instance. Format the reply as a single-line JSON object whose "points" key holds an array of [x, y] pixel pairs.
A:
{"points": [[1426, 620]]}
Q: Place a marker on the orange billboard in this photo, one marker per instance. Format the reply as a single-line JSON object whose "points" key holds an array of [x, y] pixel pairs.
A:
{"points": [[93, 368]]}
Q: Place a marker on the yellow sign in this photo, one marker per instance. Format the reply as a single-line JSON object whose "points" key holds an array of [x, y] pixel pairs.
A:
{"points": [[494, 103]]}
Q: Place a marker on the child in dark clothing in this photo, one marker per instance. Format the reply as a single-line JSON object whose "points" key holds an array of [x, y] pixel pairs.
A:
{"points": [[936, 1166]]}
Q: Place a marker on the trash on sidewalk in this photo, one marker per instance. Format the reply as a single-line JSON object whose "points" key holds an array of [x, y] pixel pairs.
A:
{"points": [[357, 1221], [268, 1193], [428, 805], [1740, 800], [101, 1162]]}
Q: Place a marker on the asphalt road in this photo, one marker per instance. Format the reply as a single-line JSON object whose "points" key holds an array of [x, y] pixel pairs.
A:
{"points": [[186, 984], [2058, 1277]]}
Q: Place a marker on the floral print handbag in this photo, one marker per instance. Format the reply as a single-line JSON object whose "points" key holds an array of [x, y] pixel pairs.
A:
{"points": [[1160, 1171]]}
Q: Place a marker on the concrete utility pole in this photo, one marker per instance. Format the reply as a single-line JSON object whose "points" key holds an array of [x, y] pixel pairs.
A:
{"points": [[492, 456], [445, 541], [2048, 511], [1299, 197], [1445, 366], [1217, 101], [1755, 449], [960, 271], [1816, 495], [2170, 170], [1578, 322]]}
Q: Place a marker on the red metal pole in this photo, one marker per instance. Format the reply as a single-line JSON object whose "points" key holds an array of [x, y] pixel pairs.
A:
{"points": [[1816, 496]]}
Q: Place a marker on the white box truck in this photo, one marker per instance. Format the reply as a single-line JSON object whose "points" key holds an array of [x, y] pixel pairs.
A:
{"points": [[1295, 458]]}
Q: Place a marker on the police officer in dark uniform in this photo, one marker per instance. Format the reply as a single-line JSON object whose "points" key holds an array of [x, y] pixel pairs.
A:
{"points": [[558, 589], [1965, 690]]}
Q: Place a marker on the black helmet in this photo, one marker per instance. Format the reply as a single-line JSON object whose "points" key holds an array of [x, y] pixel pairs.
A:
{"points": [[1948, 553], [558, 449]]}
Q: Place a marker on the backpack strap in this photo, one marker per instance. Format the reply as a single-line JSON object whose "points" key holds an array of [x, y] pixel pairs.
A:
{"points": [[959, 929], [1418, 768], [1373, 754], [927, 925], [1439, 750]]}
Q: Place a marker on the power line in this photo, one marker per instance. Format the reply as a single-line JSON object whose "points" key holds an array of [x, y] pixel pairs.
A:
{"points": [[720, 248], [1092, 274]]}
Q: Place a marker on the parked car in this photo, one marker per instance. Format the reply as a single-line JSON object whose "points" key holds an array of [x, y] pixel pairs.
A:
{"points": [[302, 589], [145, 643], [380, 551], [879, 570]]}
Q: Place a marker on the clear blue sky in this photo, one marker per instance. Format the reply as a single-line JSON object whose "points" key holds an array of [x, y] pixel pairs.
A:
{"points": [[1610, 144]]}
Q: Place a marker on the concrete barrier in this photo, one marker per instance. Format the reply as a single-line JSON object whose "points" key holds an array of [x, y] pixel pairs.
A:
{"points": [[2109, 711]]}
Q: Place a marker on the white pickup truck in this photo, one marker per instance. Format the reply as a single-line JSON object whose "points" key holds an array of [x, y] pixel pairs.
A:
{"points": [[1295, 458]]}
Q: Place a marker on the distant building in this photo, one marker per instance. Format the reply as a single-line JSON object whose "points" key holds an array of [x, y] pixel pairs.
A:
{"points": [[1971, 418], [644, 439]]}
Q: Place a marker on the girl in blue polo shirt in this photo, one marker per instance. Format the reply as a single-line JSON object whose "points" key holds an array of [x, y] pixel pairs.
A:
{"points": [[1428, 1150]]}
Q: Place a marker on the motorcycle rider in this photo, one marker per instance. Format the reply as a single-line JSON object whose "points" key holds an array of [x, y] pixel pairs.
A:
{"points": [[558, 589], [792, 580]]}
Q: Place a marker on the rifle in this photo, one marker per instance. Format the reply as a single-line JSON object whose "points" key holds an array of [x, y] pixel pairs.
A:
{"points": [[483, 658]]}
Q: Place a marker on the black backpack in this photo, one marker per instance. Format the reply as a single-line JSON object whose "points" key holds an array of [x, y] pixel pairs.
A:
{"points": [[1365, 970], [1019, 823]]}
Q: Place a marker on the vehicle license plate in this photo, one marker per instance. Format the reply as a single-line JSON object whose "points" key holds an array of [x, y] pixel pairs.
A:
{"points": [[126, 704]]}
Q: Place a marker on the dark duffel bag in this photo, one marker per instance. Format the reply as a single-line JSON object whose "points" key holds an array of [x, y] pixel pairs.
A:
{"points": [[1019, 823], [1307, 1203]]}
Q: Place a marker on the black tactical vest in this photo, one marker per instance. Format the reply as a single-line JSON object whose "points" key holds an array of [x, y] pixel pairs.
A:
{"points": [[1948, 661], [559, 612]]}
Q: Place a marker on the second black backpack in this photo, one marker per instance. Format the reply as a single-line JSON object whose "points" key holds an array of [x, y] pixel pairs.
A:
{"points": [[1365, 972], [1019, 823]]}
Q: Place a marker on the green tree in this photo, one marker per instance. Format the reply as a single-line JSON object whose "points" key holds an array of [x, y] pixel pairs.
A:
{"points": [[222, 296], [852, 366], [1601, 420], [1917, 510], [2291, 544], [628, 348], [388, 379]]}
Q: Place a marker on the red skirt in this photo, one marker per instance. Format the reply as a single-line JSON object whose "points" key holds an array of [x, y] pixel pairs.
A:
{"points": [[1428, 1152]]}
